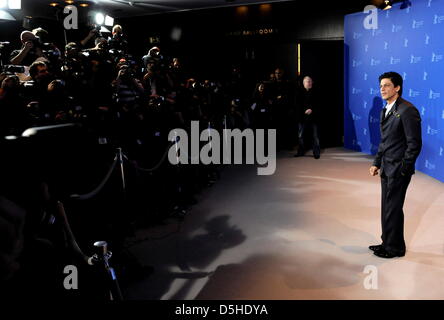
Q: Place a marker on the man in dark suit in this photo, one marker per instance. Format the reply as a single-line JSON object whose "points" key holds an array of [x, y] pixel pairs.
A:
{"points": [[400, 145], [308, 114]]}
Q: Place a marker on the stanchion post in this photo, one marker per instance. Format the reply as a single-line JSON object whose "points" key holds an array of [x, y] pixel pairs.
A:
{"points": [[102, 257]]}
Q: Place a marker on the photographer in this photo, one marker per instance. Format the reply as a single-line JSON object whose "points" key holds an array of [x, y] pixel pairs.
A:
{"points": [[30, 51], [13, 118], [152, 58], [117, 42], [36, 93], [49, 49], [127, 88], [74, 72]]}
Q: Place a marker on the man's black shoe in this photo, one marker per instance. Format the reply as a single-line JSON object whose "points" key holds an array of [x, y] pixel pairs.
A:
{"points": [[375, 247], [316, 156], [299, 154], [382, 253]]}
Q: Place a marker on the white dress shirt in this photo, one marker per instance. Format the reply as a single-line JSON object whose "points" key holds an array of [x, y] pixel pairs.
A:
{"points": [[389, 107]]}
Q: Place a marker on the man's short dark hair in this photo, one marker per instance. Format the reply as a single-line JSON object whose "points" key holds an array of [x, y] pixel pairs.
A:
{"points": [[394, 77], [33, 69]]}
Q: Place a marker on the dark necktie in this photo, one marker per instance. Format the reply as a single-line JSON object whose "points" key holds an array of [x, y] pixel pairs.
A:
{"points": [[384, 110]]}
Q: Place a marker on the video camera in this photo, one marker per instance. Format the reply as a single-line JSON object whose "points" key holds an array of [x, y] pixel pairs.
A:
{"points": [[46, 47]]}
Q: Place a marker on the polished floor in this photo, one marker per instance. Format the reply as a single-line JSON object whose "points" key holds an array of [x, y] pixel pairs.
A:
{"points": [[301, 233]]}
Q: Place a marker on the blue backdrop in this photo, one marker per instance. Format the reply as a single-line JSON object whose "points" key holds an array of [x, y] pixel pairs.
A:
{"points": [[411, 42]]}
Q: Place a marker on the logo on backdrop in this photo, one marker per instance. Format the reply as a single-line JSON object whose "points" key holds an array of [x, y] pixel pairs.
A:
{"points": [[396, 28], [434, 95], [417, 24], [413, 93], [356, 63], [431, 131], [373, 119], [438, 19], [394, 60], [375, 62], [357, 35], [376, 32], [356, 91], [430, 165], [373, 91], [415, 59], [436, 57]]}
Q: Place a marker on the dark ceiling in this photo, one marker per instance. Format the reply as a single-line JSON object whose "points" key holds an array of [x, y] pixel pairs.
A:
{"points": [[128, 8], [131, 8]]}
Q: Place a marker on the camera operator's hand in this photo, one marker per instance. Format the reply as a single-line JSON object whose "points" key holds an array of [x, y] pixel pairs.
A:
{"points": [[93, 33], [28, 45], [122, 73]]}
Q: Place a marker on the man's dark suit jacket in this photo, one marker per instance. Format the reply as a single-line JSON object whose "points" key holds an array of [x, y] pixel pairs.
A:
{"points": [[401, 140]]}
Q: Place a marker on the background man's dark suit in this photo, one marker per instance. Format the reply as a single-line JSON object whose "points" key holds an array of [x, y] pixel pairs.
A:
{"points": [[400, 145]]}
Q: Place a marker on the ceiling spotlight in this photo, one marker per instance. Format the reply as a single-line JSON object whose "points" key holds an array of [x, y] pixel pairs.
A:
{"points": [[84, 5], [387, 5], [15, 4], [109, 21], [69, 1], [53, 4], [100, 18]]}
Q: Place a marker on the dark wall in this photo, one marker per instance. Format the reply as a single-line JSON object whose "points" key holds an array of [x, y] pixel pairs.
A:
{"points": [[323, 60]]}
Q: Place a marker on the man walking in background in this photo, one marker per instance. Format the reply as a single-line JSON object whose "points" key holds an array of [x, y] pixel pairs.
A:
{"points": [[308, 113], [398, 150]]}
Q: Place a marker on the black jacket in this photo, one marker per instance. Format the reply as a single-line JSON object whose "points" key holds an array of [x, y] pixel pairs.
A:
{"points": [[401, 140], [308, 99]]}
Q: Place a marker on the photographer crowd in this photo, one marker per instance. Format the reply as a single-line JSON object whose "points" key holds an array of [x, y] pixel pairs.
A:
{"points": [[129, 103]]}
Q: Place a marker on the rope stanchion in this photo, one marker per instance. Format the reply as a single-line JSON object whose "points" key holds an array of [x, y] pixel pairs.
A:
{"points": [[99, 187], [157, 166]]}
